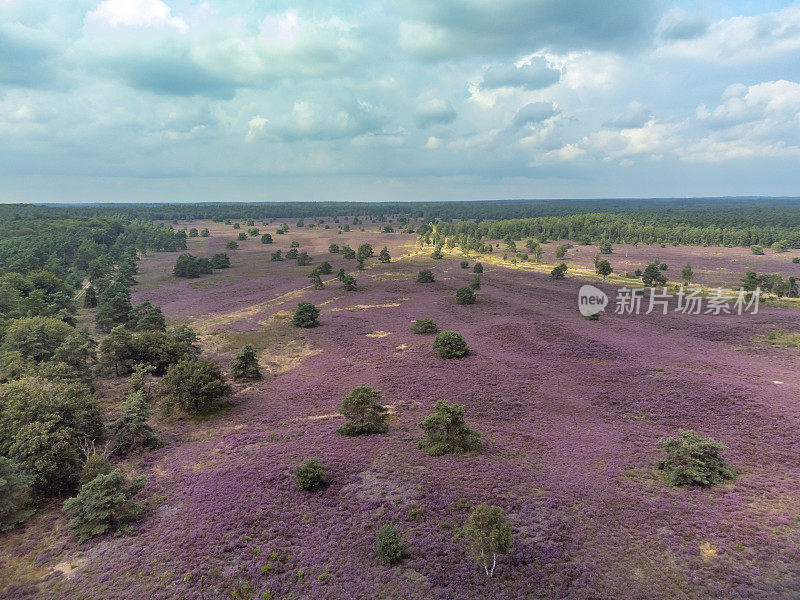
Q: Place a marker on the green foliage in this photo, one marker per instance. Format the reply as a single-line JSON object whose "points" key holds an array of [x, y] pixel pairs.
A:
{"points": [[687, 273], [131, 430], [242, 237], [389, 544], [37, 338], [90, 297], [231, 245], [603, 268], [757, 249], [205, 233], [305, 315], [559, 272], [96, 464], [266, 238], [244, 366], [311, 476], [316, 280], [325, 268], [449, 344], [475, 283], [276, 256], [253, 232], [692, 460], [477, 268], [104, 505], [424, 326], [652, 275], [488, 532], [384, 256], [464, 264], [349, 283], [447, 433], [189, 266], [220, 260], [437, 254], [333, 248], [195, 386], [303, 259], [42, 424], [465, 295], [364, 412], [294, 244], [348, 253], [114, 307], [425, 276], [365, 251], [605, 248], [15, 494], [292, 254]]}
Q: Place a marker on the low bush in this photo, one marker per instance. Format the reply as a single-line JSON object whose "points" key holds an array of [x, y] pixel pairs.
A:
{"points": [[447, 433], [364, 412], [449, 344], [388, 544], [425, 276], [465, 295], [692, 460], [424, 326], [311, 476], [305, 315]]}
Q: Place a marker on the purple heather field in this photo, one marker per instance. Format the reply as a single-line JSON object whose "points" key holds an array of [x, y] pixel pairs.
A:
{"points": [[570, 412]]}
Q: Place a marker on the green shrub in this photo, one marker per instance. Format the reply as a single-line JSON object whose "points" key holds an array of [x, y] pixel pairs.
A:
{"points": [[244, 366], [388, 544], [195, 386], [465, 295], [449, 344], [205, 233], [220, 261], [364, 412], [231, 245], [692, 460], [15, 494], [559, 272], [349, 283], [311, 476], [756, 249], [242, 237], [104, 505], [425, 276], [475, 284], [652, 275], [276, 256], [489, 533], [131, 430], [305, 315], [303, 259], [424, 326], [446, 432], [478, 268], [464, 264], [325, 268], [96, 464], [266, 238]]}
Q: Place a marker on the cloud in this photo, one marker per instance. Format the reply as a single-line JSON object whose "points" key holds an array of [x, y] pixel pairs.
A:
{"points": [[451, 28], [742, 39], [135, 14], [681, 26], [27, 55], [534, 75], [535, 112], [635, 116], [435, 112]]}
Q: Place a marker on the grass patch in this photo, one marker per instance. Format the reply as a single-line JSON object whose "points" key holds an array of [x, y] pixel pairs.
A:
{"points": [[779, 337]]}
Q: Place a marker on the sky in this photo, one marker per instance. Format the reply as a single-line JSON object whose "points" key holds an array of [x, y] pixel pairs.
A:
{"points": [[255, 100]]}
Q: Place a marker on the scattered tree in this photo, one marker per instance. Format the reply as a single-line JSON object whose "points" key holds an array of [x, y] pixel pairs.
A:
{"points": [[424, 327], [388, 544], [652, 276], [231, 245], [311, 476], [488, 532], [425, 276], [692, 460], [449, 344], [220, 260], [244, 366], [333, 248], [266, 238], [104, 505], [364, 412], [447, 433], [349, 283], [603, 268], [15, 494], [464, 264], [195, 386], [475, 283], [559, 272], [276, 256], [477, 268], [384, 256], [687, 273], [465, 295], [306, 315]]}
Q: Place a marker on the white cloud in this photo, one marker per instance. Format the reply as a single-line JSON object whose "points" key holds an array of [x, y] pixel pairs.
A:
{"points": [[136, 14], [435, 112], [742, 39]]}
